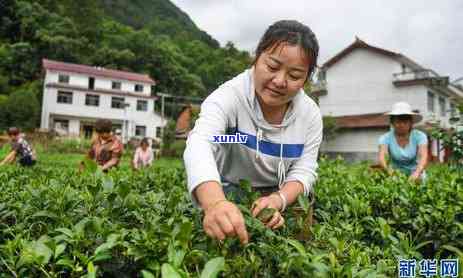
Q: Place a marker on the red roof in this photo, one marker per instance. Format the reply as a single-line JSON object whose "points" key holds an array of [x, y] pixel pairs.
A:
{"points": [[96, 71], [362, 121]]}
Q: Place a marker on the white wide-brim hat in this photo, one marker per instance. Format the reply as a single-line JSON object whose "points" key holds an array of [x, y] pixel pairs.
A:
{"points": [[403, 108]]}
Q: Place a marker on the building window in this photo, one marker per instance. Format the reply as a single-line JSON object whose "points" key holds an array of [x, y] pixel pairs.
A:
{"points": [[64, 97], [116, 85], [322, 75], [140, 131], [430, 102], [117, 102], [61, 125], [87, 129], [91, 83], [442, 106], [138, 88], [63, 78], [117, 129], [453, 109], [158, 131], [142, 105], [92, 100]]}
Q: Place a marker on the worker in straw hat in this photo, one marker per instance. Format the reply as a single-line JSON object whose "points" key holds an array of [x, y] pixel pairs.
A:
{"points": [[407, 147]]}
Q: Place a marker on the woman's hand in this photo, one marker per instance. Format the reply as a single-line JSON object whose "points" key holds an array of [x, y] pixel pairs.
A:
{"points": [[271, 201], [415, 177], [224, 219], [391, 171], [81, 167]]}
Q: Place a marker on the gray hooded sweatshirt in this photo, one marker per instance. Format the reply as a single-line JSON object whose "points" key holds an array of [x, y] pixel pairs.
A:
{"points": [[272, 154]]}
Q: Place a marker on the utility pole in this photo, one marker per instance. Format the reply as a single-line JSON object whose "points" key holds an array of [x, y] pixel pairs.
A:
{"points": [[126, 124], [162, 119]]}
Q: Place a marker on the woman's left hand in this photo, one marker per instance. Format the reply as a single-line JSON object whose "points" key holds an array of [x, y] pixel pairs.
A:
{"points": [[415, 177], [271, 201]]}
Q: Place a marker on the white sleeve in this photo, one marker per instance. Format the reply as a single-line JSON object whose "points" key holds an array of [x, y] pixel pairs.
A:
{"points": [[151, 157], [200, 163], [304, 169]]}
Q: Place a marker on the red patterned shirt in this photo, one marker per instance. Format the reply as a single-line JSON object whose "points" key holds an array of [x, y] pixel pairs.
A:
{"points": [[102, 152]]}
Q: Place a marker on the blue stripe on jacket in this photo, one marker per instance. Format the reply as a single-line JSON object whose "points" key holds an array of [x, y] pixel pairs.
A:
{"points": [[269, 148]]}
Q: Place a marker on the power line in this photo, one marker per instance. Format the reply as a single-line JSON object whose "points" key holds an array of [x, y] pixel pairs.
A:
{"points": [[181, 97]]}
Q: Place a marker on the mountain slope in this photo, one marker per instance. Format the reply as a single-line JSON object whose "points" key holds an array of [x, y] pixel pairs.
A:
{"points": [[162, 16]]}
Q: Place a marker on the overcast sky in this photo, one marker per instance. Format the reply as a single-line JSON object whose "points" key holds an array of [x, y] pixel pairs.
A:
{"points": [[428, 32]]}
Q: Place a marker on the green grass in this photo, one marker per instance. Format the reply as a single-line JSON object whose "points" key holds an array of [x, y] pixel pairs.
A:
{"points": [[72, 160]]}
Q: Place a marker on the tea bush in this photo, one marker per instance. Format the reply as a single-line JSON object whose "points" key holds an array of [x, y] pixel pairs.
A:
{"points": [[57, 223]]}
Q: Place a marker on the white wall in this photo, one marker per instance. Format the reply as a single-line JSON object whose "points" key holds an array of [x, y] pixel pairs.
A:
{"points": [[361, 83], [101, 83], [75, 79], [81, 80], [436, 115], [74, 127], [354, 140], [78, 110]]}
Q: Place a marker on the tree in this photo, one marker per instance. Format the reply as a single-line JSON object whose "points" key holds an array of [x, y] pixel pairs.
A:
{"points": [[165, 44], [329, 127], [3, 84], [21, 109], [453, 140], [168, 137], [3, 119], [88, 17], [22, 64]]}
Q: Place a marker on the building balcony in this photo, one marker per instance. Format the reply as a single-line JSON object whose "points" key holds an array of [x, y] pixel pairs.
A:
{"points": [[419, 77]]}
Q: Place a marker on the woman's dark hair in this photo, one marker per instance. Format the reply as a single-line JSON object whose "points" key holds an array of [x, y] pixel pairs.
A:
{"points": [[102, 126], [293, 33], [13, 131], [404, 117], [144, 141]]}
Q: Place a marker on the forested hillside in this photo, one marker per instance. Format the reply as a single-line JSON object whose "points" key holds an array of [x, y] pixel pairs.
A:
{"points": [[153, 37]]}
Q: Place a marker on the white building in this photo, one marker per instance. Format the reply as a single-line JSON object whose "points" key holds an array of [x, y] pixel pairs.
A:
{"points": [[359, 84], [75, 96]]}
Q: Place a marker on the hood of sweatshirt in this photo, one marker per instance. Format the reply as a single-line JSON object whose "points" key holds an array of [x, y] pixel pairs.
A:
{"points": [[250, 102]]}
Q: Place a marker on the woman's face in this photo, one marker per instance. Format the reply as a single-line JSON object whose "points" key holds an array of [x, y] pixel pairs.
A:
{"points": [[144, 146], [14, 137], [280, 73], [105, 136], [402, 126]]}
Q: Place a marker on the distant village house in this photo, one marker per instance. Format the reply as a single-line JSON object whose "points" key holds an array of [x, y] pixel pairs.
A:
{"points": [[75, 96], [362, 82]]}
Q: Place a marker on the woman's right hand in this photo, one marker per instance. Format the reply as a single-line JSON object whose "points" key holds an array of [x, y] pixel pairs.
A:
{"points": [[391, 171], [224, 219], [81, 167]]}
